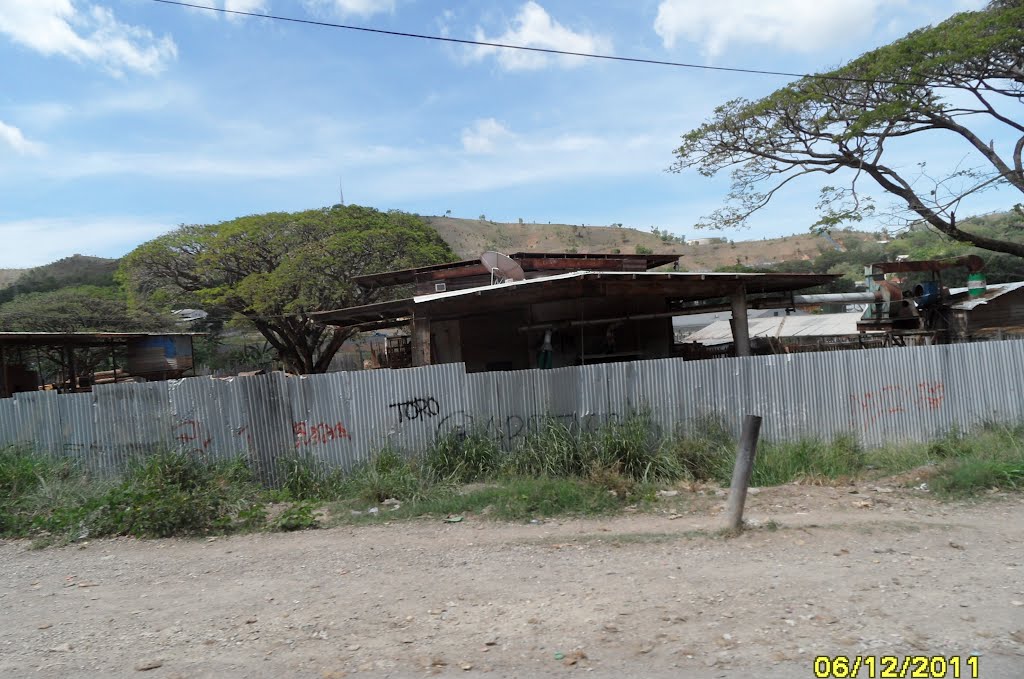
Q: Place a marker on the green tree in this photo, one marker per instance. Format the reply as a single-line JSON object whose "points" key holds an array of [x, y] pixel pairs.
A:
{"points": [[84, 308], [273, 269], [952, 85]]}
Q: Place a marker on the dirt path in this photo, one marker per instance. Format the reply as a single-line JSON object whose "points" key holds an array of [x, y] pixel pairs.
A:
{"points": [[874, 572]]}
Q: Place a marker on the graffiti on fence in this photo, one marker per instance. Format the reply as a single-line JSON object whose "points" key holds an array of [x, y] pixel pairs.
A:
{"points": [[893, 399], [318, 433], [416, 408], [509, 429], [192, 436]]}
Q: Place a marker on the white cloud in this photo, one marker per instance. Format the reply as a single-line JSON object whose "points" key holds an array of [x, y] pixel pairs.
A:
{"points": [[13, 137], [84, 32], [343, 8], [250, 6], [484, 135], [247, 5], [534, 27], [797, 25]]}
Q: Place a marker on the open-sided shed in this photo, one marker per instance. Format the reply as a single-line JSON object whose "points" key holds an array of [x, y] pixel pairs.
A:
{"points": [[570, 318]]}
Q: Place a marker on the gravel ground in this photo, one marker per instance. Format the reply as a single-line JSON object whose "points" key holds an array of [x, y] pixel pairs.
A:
{"points": [[854, 571]]}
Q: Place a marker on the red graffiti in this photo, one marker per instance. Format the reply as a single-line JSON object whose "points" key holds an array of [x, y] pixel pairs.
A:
{"points": [[191, 435], [931, 394], [318, 433], [895, 398]]}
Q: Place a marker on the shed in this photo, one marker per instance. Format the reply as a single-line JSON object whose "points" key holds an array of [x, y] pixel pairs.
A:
{"points": [[995, 314], [571, 318]]}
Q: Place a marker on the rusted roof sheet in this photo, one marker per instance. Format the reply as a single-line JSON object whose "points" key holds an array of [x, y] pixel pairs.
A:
{"points": [[576, 285]]}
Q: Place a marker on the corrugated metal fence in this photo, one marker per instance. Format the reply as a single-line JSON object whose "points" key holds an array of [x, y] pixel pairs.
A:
{"points": [[910, 394]]}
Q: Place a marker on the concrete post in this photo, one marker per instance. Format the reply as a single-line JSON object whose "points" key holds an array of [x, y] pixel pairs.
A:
{"points": [[741, 472]]}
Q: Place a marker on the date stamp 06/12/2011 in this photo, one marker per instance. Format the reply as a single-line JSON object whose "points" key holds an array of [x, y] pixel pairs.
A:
{"points": [[896, 667]]}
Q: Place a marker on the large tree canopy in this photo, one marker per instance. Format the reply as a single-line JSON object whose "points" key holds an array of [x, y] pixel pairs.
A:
{"points": [[956, 85], [83, 308], [273, 269]]}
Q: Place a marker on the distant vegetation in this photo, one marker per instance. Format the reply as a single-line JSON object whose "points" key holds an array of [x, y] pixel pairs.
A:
{"points": [[917, 244]]}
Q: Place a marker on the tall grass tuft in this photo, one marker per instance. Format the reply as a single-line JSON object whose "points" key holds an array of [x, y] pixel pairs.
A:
{"points": [[784, 462], [304, 477], [390, 475], [633, 448], [991, 457], [460, 457], [705, 450], [551, 450]]}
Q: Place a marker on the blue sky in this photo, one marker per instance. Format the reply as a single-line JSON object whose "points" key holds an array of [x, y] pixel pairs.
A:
{"points": [[120, 119]]}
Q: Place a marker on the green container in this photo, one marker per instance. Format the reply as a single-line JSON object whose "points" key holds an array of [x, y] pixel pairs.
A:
{"points": [[976, 284]]}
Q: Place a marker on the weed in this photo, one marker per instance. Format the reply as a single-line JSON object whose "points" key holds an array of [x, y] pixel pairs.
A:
{"points": [[297, 517]]}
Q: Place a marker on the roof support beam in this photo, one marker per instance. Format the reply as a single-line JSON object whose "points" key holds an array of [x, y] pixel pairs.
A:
{"points": [[740, 328]]}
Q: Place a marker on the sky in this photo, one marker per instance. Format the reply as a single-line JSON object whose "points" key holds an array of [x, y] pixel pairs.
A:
{"points": [[121, 119]]}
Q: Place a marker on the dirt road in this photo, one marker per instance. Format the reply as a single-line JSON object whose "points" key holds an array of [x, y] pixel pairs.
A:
{"points": [[877, 572]]}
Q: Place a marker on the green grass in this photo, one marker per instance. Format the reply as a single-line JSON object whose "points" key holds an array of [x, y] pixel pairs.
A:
{"points": [[555, 471], [513, 499]]}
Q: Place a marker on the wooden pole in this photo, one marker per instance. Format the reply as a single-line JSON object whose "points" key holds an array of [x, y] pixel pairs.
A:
{"points": [[740, 329], [741, 472]]}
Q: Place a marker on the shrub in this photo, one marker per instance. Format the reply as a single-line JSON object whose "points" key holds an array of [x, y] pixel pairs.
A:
{"points": [[174, 493]]}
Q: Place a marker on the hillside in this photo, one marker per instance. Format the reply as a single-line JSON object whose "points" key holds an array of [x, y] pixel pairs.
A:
{"points": [[470, 237], [9, 276], [69, 271]]}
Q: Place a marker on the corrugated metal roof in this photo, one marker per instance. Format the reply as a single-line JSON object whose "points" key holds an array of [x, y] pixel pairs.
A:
{"points": [[786, 281], [821, 325], [992, 292]]}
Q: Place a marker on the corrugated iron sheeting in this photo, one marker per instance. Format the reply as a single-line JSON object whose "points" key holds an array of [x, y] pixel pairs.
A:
{"points": [[342, 419]]}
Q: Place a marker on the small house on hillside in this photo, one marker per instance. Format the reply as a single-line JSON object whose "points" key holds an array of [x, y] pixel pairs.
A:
{"points": [[539, 310]]}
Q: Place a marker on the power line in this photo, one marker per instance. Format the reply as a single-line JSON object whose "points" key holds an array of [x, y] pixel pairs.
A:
{"points": [[525, 48]]}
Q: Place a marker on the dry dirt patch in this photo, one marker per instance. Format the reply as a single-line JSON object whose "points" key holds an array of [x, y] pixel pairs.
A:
{"points": [[880, 571]]}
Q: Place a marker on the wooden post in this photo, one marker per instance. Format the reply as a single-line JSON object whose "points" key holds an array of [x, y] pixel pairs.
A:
{"points": [[420, 342], [740, 328], [72, 370], [741, 472]]}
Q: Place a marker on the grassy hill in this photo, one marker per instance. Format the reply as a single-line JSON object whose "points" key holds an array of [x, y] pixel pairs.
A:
{"points": [[471, 237], [9, 276], [69, 271]]}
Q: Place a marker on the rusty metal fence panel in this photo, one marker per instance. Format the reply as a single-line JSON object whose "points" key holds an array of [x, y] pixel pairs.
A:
{"points": [[343, 419]]}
